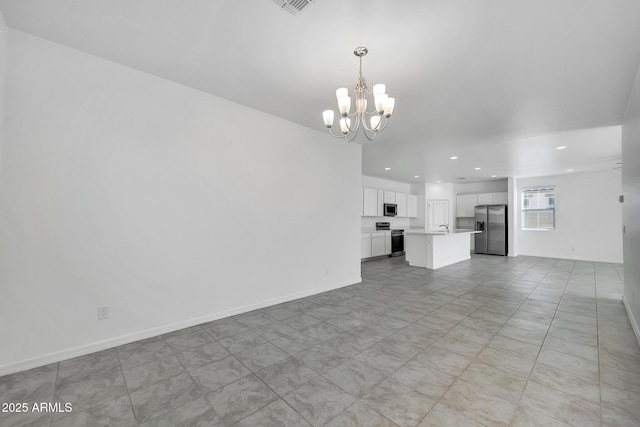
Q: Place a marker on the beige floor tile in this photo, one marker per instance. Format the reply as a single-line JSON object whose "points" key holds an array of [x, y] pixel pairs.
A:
{"points": [[556, 404], [566, 382], [474, 402]]}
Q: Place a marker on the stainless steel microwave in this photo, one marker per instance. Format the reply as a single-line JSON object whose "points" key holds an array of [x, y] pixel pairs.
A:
{"points": [[390, 209]]}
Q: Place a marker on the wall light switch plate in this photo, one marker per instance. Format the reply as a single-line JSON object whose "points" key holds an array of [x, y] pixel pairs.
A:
{"points": [[103, 312]]}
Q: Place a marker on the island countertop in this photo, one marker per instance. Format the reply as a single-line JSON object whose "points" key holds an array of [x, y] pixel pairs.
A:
{"points": [[441, 233]]}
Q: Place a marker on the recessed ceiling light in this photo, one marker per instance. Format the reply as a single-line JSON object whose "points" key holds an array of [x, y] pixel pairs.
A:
{"points": [[387, 169], [476, 169], [569, 170], [416, 176], [494, 176], [453, 157], [438, 182], [562, 147]]}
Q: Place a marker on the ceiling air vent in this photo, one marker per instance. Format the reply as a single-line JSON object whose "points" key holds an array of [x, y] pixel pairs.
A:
{"points": [[294, 7]]}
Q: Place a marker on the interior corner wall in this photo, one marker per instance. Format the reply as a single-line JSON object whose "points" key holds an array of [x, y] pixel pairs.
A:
{"points": [[631, 206], [168, 205], [588, 218]]}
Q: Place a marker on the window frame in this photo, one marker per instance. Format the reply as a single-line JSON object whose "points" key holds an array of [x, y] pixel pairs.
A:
{"points": [[537, 190]]}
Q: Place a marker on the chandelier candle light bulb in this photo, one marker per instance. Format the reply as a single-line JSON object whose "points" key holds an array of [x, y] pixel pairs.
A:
{"points": [[344, 125], [371, 122]]}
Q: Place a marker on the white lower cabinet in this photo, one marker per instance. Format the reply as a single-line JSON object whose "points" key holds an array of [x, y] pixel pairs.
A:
{"points": [[377, 243], [365, 246], [377, 246]]}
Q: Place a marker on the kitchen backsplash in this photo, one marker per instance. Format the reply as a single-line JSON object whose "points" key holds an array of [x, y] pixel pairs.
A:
{"points": [[370, 221]]}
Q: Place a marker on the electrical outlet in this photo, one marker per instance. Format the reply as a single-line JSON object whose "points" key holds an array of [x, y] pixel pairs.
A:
{"points": [[103, 312]]}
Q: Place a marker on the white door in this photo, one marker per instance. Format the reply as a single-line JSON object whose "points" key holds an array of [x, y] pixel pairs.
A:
{"points": [[437, 214]]}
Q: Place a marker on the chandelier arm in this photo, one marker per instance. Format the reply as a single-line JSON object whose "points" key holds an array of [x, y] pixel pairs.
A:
{"points": [[383, 122], [364, 125], [346, 137], [373, 134], [355, 128], [383, 125], [336, 136]]}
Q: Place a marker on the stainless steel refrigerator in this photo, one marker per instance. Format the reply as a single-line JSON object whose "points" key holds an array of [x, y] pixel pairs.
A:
{"points": [[491, 220]]}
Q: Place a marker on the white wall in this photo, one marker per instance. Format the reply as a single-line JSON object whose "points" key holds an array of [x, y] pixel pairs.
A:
{"points": [[3, 69], [588, 218], [168, 205], [496, 186], [631, 206]]}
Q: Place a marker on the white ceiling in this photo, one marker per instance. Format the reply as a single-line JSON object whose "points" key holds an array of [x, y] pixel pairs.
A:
{"points": [[498, 83]]}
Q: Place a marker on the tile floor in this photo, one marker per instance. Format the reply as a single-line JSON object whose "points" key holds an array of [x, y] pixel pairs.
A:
{"points": [[491, 341]]}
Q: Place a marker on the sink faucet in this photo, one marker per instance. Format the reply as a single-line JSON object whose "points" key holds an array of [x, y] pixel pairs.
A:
{"points": [[445, 226]]}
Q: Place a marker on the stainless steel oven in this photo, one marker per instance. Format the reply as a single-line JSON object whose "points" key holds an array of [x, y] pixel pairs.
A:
{"points": [[397, 242], [397, 238]]}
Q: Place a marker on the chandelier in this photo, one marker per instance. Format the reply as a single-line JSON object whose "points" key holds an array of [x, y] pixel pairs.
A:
{"points": [[371, 122]]}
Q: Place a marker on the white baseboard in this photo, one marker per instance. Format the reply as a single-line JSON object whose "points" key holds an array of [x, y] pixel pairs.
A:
{"points": [[632, 319], [89, 348]]}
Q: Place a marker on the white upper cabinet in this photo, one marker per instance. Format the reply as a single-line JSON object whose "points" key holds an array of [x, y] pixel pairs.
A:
{"points": [[485, 199], [389, 196], [401, 201], [465, 204], [373, 201], [369, 202], [493, 198], [412, 206], [500, 198]]}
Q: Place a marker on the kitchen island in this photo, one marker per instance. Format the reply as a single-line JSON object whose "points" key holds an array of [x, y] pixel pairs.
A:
{"points": [[435, 249]]}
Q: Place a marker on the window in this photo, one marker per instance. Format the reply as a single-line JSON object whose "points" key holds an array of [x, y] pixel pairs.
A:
{"points": [[539, 208]]}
